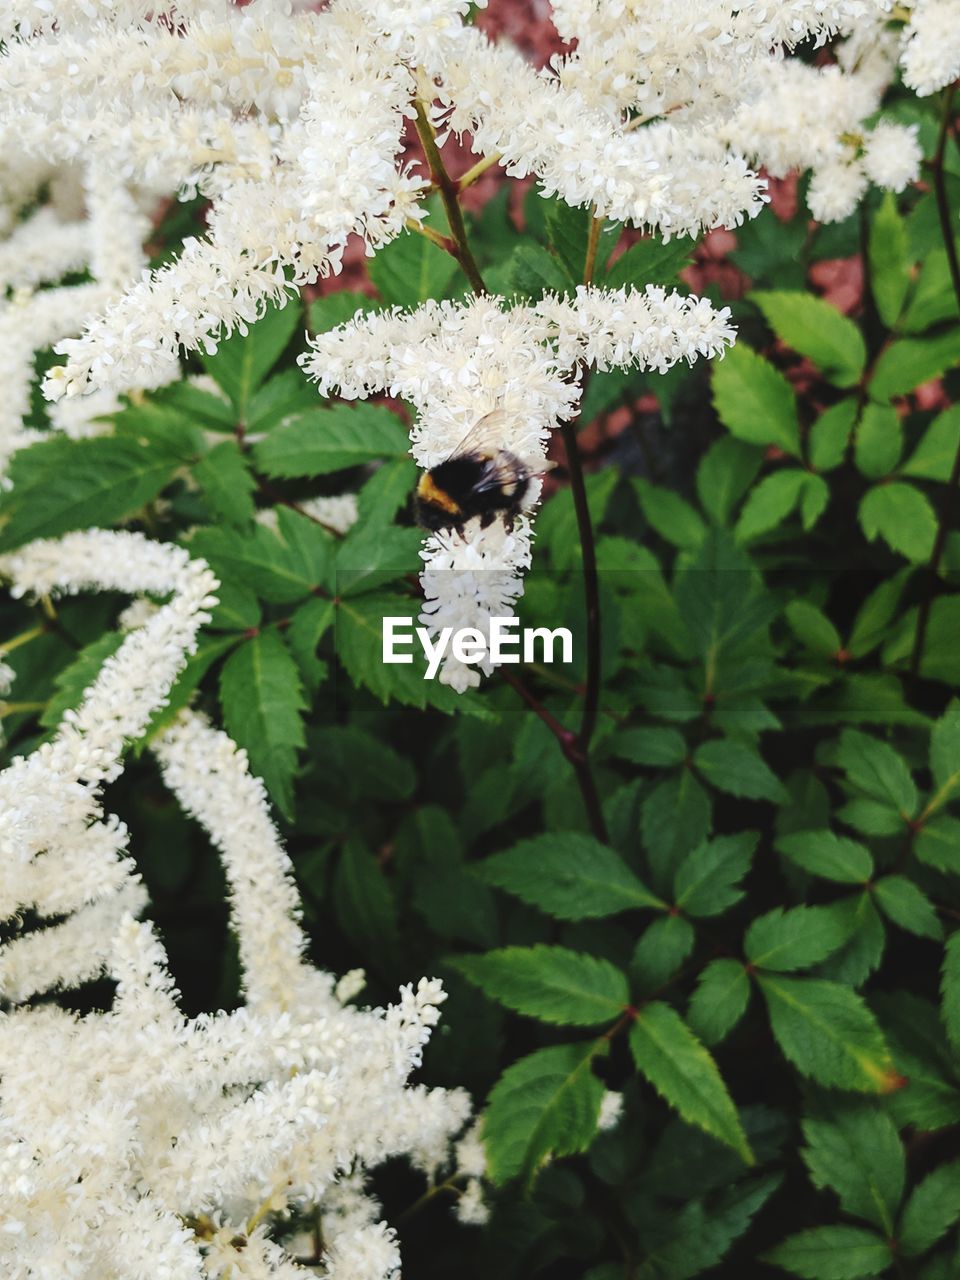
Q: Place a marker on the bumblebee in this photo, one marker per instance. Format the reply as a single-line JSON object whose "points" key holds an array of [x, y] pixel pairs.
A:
{"points": [[479, 479]]}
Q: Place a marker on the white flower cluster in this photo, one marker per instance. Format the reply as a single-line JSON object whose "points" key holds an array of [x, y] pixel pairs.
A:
{"points": [[931, 45], [660, 114], [291, 121], [291, 124], [138, 1142], [812, 118], [51, 242], [456, 362]]}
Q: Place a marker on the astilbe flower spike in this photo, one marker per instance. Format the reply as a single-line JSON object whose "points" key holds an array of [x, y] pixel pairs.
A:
{"points": [[139, 1142]]}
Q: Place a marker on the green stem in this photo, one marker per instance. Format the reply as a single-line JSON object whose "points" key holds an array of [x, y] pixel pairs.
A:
{"points": [[448, 190], [23, 638], [422, 1201], [442, 242], [591, 586], [478, 170], [20, 708], [593, 242], [953, 483]]}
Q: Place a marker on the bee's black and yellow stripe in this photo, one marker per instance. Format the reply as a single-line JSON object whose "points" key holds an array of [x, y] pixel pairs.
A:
{"points": [[428, 491]]}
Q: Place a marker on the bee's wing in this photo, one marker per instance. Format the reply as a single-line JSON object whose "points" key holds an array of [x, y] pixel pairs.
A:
{"points": [[485, 438]]}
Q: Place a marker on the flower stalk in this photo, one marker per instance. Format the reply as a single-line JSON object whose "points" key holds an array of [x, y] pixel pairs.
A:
{"points": [[448, 189]]}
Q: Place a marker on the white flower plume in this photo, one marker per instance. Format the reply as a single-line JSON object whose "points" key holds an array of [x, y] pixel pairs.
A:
{"points": [[457, 362], [291, 122], [138, 1142], [931, 45]]}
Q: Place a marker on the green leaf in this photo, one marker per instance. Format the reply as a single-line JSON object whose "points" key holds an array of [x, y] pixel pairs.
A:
{"points": [[227, 484], [738, 769], [817, 330], [359, 640], [650, 261], [411, 269], [707, 881], [813, 628], [770, 502], [675, 818], [364, 904], [875, 615], [60, 485], [654, 746], [877, 770], [950, 989], [945, 755], [888, 256], [679, 1067], [533, 271], [567, 875], [288, 565], [333, 309], [863, 951], [280, 397], [550, 983], [237, 609], [938, 844], [857, 1153], [308, 625], [814, 497], [933, 297], [668, 513], [371, 556], [698, 1237], [941, 654], [910, 362], [830, 434], [544, 1105], [936, 453], [794, 939], [355, 765], [879, 440], [824, 853], [719, 1001], [933, 1208], [754, 401], [661, 951], [719, 598], [210, 410], [725, 473], [156, 424], [77, 676], [320, 441], [387, 490], [568, 230], [262, 704], [243, 360], [829, 1034], [902, 516], [902, 902], [833, 1253]]}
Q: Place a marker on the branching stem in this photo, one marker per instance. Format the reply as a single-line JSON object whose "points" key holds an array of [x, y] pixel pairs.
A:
{"points": [[448, 189], [478, 170]]}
